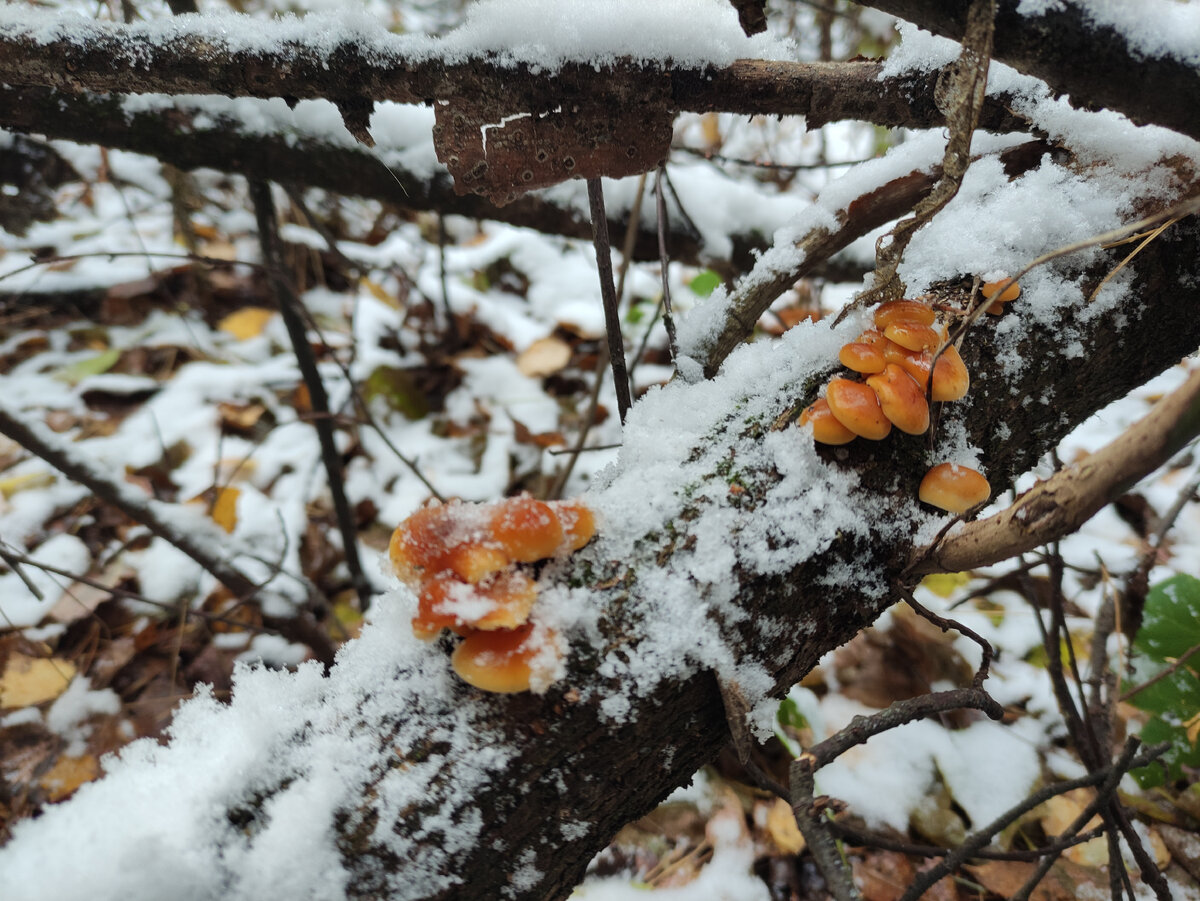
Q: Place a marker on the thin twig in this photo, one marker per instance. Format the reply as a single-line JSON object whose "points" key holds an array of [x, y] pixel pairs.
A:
{"points": [[289, 307], [589, 417], [988, 653], [883, 842], [664, 262], [612, 314]]}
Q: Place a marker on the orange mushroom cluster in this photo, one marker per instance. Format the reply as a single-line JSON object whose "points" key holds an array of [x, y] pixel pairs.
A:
{"points": [[1008, 295], [901, 367], [896, 358], [461, 560]]}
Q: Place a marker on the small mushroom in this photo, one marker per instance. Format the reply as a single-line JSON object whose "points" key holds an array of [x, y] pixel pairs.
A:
{"points": [[951, 380], [826, 428], [1008, 295], [903, 310], [902, 399], [503, 601], [503, 661], [856, 407], [578, 523], [954, 488]]}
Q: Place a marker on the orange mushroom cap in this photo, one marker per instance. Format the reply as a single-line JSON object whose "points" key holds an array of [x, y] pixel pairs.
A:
{"points": [[951, 380], [862, 357], [1008, 295], [506, 660], [826, 428], [906, 310], [526, 529], [902, 399], [954, 488], [440, 537], [578, 523], [856, 407], [503, 601], [914, 335]]}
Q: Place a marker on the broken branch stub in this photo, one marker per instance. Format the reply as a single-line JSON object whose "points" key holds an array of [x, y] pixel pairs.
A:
{"points": [[501, 140]]}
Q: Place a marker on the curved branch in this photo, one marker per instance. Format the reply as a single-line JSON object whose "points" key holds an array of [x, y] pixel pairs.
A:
{"points": [[1064, 502], [1065, 46]]}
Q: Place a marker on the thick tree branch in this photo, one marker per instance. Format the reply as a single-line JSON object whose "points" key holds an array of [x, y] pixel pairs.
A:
{"points": [[373, 66], [1094, 63]]}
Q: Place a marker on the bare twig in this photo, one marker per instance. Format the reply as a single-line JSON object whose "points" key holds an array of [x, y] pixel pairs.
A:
{"points": [[608, 293], [961, 99], [289, 309], [664, 262]]}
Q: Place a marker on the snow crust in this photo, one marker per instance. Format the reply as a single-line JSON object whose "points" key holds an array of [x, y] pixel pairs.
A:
{"points": [[688, 33]]}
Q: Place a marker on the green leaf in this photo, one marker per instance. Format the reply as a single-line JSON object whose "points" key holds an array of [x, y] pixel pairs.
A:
{"points": [[81, 369], [705, 283], [790, 715], [398, 389], [1181, 753], [1172, 620]]}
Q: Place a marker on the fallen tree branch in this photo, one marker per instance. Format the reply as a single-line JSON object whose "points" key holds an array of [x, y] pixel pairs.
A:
{"points": [[205, 546]]}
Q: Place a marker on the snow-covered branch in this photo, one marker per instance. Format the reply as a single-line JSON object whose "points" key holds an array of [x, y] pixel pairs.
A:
{"points": [[1136, 58]]}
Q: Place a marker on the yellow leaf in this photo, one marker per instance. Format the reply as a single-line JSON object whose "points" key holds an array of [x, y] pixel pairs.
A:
{"points": [[32, 680], [224, 510], [246, 323], [377, 291], [14, 484], [945, 584], [781, 826], [67, 774]]}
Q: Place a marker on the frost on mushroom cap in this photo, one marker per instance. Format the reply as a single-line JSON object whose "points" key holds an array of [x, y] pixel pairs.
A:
{"points": [[954, 488]]}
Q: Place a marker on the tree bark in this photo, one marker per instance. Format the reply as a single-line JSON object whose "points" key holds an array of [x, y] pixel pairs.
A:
{"points": [[1095, 64]]}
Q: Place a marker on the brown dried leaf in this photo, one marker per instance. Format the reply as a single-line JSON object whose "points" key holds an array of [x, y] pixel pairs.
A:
{"points": [[1065, 882], [67, 774], [544, 357], [781, 827]]}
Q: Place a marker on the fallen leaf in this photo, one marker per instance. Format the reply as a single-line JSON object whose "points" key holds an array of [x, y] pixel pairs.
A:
{"points": [[1059, 812], [545, 356], [246, 323], [33, 680], [81, 369], [782, 828], [1066, 881], [224, 509], [30, 480], [67, 774]]}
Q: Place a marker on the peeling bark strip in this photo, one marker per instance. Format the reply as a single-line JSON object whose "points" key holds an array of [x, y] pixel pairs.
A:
{"points": [[1064, 47], [500, 145]]}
